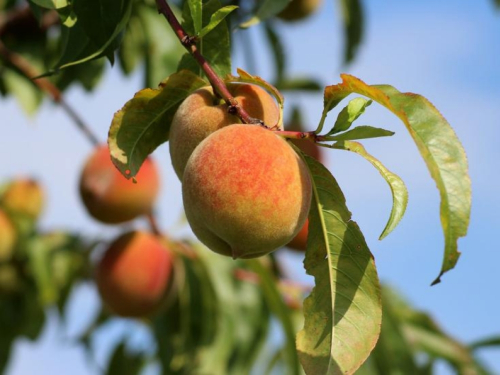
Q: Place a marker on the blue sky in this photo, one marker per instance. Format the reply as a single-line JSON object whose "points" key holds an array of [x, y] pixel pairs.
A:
{"points": [[447, 51]]}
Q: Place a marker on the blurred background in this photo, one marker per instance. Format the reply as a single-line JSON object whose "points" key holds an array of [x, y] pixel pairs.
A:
{"points": [[447, 51]]}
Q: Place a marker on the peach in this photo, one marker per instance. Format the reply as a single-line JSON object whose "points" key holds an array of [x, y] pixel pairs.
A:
{"points": [[245, 191], [202, 113], [299, 9], [111, 198], [7, 237], [133, 275], [24, 197]]}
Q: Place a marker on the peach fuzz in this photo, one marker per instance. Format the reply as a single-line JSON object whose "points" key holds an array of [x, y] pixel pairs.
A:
{"points": [[111, 198], [133, 275], [202, 113], [245, 191]]}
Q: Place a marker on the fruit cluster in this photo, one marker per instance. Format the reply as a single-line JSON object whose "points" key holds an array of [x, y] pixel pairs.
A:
{"points": [[245, 190], [133, 274]]}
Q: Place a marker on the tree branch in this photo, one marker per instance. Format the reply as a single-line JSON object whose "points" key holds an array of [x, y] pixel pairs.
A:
{"points": [[189, 42], [25, 67], [20, 20]]}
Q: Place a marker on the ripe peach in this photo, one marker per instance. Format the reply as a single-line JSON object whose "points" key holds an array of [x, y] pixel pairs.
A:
{"points": [[7, 237], [202, 113], [133, 275], [24, 197], [111, 198], [245, 191], [299, 9]]}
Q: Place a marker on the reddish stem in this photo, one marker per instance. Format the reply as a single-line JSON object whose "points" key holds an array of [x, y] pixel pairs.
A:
{"points": [[189, 42], [153, 224], [311, 136]]}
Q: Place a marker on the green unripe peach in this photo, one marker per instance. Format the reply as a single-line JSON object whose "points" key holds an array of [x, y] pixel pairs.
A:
{"points": [[111, 198], [7, 237], [299, 9], [24, 197], [245, 191], [133, 275], [202, 113]]}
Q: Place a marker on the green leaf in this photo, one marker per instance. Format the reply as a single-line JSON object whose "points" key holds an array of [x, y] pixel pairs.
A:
{"points": [[216, 19], [88, 75], [189, 324], [349, 114], [266, 9], [282, 313], [398, 188], [344, 312], [39, 256], [123, 363], [393, 353], [484, 343], [67, 16], [26, 93], [196, 14], [51, 4], [161, 48], [144, 121], [278, 51], [361, 132], [437, 344], [215, 46], [96, 32], [299, 84], [131, 49], [352, 14], [439, 147]]}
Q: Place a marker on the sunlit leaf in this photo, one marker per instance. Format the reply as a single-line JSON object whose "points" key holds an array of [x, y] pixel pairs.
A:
{"points": [[26, 93], [215, 46], [144, 121], [344, 312], [216, 19], [360, 132], [51, 4], [39, 255], [349, 114], [195, 7], [398, 188], [161, 49], [439, 147]]}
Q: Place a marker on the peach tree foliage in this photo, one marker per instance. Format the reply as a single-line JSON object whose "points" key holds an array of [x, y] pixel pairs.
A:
{"points": [[213, 323]]}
